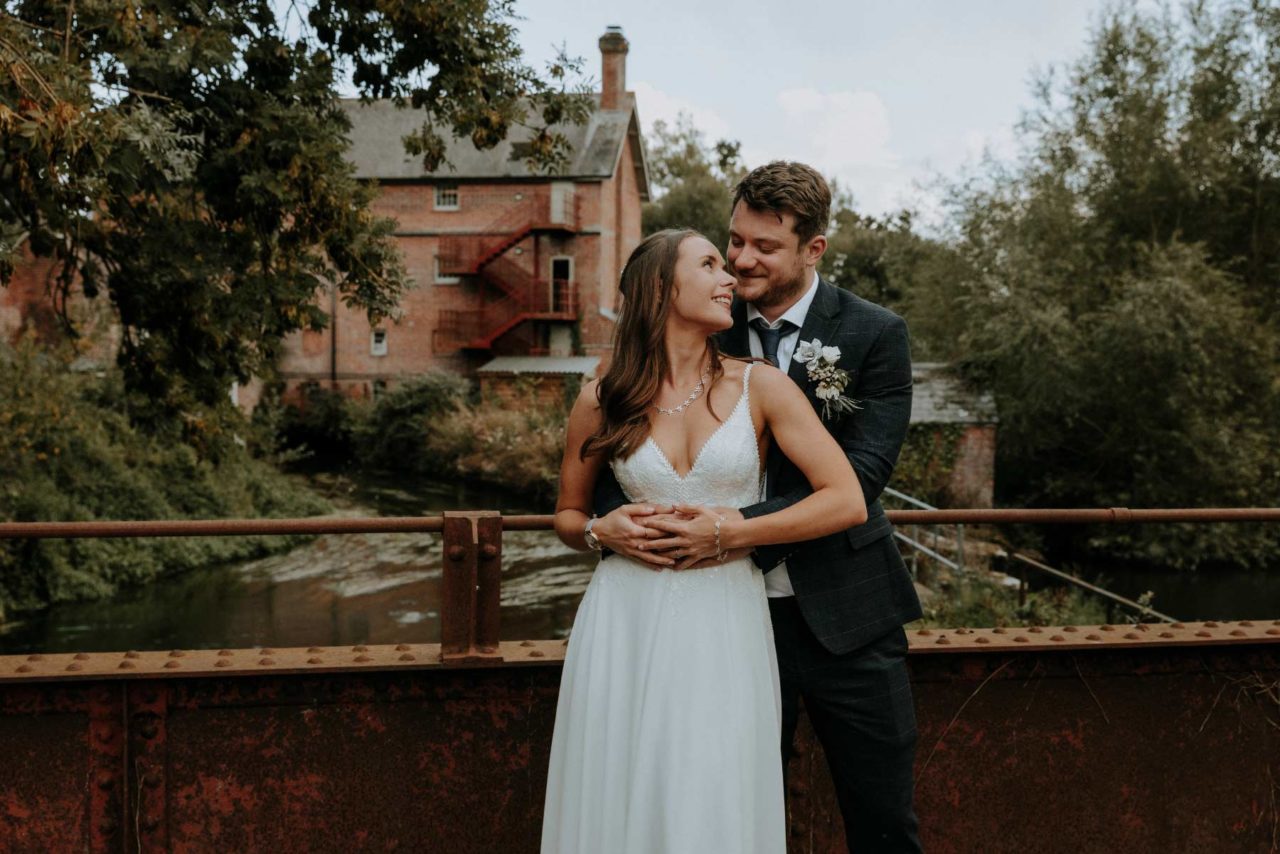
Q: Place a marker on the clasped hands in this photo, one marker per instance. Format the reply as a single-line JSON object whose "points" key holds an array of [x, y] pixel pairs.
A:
{"points": [[681, 536]]}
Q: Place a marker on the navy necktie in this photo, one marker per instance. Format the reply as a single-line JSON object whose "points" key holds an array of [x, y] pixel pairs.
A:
{"points": [[769, 337]]}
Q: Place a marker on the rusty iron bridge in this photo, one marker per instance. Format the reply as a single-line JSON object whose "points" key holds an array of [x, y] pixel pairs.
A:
{"points": [[1068, 738]]}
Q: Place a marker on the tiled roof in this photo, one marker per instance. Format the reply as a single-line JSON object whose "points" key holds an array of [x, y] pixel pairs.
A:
{"points": [[939, 398], [583, 366], [379, 127]]}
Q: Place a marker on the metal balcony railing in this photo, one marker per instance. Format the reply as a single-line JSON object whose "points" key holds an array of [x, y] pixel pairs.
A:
{"points": [[478, 328], [541, 208]]}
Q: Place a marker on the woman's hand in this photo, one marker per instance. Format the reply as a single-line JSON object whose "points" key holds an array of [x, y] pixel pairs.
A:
{"points": [[624, 531], [689, 534]]}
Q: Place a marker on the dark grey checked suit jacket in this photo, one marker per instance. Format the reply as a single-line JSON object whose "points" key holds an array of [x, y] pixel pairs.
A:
{"points": [[851, 587]]}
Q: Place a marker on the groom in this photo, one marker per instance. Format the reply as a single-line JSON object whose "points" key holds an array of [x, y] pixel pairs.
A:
{"points": [[837, 603]]}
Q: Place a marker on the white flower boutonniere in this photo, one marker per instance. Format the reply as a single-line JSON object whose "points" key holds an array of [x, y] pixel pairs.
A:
{"points": [[831, 380]]}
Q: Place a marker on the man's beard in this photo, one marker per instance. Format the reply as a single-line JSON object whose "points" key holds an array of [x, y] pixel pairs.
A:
{"points": [[780, 293]]}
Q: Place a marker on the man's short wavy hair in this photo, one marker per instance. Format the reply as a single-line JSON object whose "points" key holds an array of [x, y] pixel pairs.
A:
{"points": [[784, 186]]}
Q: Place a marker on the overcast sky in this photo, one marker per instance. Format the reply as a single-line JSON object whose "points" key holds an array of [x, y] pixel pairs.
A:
{"points": [[881, 95]]}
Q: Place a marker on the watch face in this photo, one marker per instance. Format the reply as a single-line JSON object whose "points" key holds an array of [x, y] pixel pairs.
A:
{"points": [[592, 542]]}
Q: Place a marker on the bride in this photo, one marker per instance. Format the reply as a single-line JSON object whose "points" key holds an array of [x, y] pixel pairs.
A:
{"points": [[668, 724]]}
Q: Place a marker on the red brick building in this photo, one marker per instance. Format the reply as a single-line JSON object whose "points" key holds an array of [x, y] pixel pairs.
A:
{"points": [[940, 400], [28, 307], [503, 261]]}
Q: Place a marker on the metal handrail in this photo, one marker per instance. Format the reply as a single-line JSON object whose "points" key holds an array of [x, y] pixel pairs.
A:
{"points": [[918, 547], [1081, 583], [413, 524], [909, 499], [921, 547]]}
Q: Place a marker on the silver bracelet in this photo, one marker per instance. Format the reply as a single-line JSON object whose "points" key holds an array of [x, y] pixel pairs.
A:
{"points": [[721, 554]]}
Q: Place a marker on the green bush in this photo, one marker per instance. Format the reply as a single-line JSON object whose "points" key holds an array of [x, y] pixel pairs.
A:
{"points": [[975, 602], [390, 434], [517, 449], [427, 426], [70, 454], [926, 462], [323, 425]]}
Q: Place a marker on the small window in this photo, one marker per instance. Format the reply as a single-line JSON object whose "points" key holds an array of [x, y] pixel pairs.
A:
{"points": [[442, 279], [378, 343], [446, 197]]}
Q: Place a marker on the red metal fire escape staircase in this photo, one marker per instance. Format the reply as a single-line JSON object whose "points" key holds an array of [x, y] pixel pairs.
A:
{"points": [[521, 296]]}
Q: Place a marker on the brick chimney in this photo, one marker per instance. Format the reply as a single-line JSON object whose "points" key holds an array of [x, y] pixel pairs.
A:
{"points": [[613, 56]]}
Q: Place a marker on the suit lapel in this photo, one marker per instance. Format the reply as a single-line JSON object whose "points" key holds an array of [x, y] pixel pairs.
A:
{"points": [[822, 321]]}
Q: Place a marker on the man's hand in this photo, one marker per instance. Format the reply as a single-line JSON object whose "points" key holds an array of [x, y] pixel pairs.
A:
{"points": [[689, 534], [620, 532], [730, 557]]}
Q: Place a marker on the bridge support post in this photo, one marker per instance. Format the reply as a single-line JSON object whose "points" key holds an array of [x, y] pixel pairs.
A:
{"points": [[470, 627]]}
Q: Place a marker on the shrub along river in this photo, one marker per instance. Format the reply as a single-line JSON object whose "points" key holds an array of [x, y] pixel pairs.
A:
{"points": [[338, 590]]}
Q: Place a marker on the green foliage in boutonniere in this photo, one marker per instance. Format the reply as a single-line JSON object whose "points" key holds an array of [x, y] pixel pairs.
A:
{"points": [[821, 364]]}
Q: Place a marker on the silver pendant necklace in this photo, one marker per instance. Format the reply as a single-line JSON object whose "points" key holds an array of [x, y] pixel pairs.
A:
{"points": [[694, 395]]}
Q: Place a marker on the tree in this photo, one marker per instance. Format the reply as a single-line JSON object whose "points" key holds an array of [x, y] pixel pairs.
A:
{"points": [[187, 160], [1120, 298], [884, 260], [693, 182]]}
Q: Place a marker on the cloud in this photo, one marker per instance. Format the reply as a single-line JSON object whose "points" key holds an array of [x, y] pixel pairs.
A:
{"points": [[653, 105], [846, 135], [843, 130]]}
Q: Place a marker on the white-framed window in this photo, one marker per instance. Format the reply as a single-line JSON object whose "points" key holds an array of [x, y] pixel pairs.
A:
{"points": [[378, 342], [446, 197], [562, 268], [442, 279], [562, 201]]}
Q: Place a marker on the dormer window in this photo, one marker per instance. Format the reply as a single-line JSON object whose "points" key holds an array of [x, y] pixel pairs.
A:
{"points": [[446, 197]]}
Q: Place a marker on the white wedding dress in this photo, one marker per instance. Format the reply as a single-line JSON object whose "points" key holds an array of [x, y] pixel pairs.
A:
{"points": [[668, 725]]}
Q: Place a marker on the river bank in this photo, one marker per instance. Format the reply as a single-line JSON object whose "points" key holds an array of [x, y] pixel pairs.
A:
{"points": [[332, 590], [386, 588]]}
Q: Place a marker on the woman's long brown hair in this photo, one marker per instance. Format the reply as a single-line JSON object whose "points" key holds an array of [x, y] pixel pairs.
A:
{"points": [[631, 385]]}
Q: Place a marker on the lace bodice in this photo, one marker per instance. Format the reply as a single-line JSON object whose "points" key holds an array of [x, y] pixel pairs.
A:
{"points": [[726, 471]]}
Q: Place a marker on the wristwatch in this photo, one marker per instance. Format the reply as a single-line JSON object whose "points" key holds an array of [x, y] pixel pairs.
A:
{"points": [[592, 541]]}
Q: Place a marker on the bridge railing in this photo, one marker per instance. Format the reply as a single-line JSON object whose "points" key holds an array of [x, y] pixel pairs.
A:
{"points": [[472, 547], [1054, 739]]}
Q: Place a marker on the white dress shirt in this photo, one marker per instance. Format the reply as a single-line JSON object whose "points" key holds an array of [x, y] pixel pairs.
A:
{"points": [[777, 583]]}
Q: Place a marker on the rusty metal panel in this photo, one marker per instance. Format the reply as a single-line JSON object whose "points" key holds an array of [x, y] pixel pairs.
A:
{"points": [[181, 663], [1128, 749], [175, 664], [45, 761], [458, 594], [147, 717], [1023, 746], [455, 761], [107, 772], [488, 583]]}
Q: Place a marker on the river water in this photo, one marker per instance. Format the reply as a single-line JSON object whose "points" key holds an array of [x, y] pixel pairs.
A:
{"points": [[336, 590], [340, 590]]}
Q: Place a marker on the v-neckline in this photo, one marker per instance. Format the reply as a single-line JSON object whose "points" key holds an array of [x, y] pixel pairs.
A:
{"points": [[698, 456]]}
